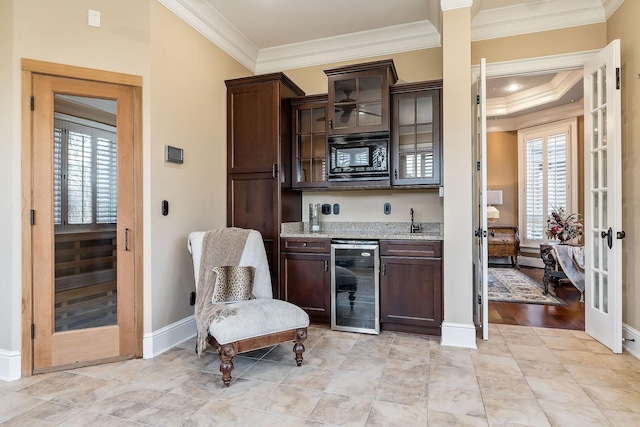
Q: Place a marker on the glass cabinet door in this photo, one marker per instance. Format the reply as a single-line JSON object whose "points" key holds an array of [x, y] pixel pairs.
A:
{"points": [[359, 97], [310, 149], [417, 138]]}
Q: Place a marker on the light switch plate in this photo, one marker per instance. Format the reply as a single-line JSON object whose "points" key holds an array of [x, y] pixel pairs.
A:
{"points": [[94, 18]]}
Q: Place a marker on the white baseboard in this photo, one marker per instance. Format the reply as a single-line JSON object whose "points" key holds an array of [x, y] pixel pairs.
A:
{"points": [[157, 342], [458, 335], [632, 347], [530, 261], [10, 365]]}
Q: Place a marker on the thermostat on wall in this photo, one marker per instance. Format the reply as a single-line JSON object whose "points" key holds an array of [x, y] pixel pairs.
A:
{"points": [[173, 154]]}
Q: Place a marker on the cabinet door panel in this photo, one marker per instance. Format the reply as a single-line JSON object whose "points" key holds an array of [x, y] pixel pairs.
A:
{"points": [[306, 281], [411, 291], [252, 202], [252, 143]]}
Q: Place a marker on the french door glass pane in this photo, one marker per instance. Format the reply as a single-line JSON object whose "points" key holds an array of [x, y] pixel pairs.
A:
{"points": [[595, 137], [605, 220], [604, 168], [595, 93], [603, 126], [596, 290], [597, 241], [596, 210], [605, 293], [603, 86]]}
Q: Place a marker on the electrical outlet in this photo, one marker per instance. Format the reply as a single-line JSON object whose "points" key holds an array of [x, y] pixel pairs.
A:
{"points": [[326, 209], [387, 208], [336, 209]]}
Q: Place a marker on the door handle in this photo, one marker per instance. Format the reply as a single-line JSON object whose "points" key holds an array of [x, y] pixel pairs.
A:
{"points": [[621, 235], [384, 269], [609, 235], [326, 265], [493, 233], [274, 170], [126, 239]]}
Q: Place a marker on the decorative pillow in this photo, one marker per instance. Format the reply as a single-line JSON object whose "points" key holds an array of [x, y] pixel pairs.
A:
{"points": [[233, 283]]}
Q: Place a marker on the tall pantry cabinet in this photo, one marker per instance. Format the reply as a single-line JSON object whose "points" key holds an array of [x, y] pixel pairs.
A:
{"points": [[259, 194]]}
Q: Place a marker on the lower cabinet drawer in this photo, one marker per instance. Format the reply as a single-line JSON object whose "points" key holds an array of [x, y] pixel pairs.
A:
{"points": [[503, 250]]}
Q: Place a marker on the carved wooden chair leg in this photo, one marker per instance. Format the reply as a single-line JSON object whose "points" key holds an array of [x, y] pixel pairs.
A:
{"points": [[298, 347], [227, 352]]}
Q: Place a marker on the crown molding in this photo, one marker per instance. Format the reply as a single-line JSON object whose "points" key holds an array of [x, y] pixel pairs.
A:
{"points": [[546, 16], [610, 6], [455, 4], [543, 94], [208, 22], [550, 115], [363, 44]]}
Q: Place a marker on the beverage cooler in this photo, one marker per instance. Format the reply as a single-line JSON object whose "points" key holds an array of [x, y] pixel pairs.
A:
{"points": [[355, 286]]}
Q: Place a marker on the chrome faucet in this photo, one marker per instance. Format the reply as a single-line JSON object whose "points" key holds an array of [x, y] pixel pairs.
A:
{"points": [[414, 228]]}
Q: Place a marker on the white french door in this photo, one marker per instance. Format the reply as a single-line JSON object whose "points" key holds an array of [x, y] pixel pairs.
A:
{"points": [[603, 198], [480, 252]]}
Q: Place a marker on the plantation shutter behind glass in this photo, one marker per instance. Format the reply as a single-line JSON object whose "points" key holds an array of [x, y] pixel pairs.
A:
{"points": [[85, 175]]}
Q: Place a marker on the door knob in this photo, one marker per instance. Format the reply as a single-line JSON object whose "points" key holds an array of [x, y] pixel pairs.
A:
{"points": [[609, 235]]}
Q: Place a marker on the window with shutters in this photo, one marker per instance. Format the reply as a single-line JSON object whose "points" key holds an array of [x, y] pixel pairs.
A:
{"points": [[85, 176], [547, 172]]}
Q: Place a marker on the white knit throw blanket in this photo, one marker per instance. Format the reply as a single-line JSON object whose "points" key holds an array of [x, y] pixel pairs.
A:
{"points": [[219, 247]]}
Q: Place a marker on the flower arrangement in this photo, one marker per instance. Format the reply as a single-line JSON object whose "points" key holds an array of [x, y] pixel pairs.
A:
{"points": [[563, 226]]}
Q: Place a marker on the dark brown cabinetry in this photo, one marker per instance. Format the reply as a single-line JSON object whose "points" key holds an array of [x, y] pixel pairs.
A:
{"points": [[306, 275], [359, 97], [259, 194], [411, 286], [310, 142], [416, 138]]}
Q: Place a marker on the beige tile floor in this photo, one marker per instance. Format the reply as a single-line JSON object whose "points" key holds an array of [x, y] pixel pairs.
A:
{"points": [[522, 377]]}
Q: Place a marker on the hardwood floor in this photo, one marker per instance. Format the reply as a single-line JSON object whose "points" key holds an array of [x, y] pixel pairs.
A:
{"points": [[570, 316]]}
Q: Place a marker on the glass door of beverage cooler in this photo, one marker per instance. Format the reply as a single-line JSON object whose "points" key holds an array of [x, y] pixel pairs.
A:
{"points": [[355, 295]]}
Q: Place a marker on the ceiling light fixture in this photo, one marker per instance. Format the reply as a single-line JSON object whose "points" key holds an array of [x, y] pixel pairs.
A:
{"points": [[513, 87]]}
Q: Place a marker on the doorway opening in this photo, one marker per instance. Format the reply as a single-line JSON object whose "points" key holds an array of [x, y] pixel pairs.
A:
{"points": [[514, 91]]}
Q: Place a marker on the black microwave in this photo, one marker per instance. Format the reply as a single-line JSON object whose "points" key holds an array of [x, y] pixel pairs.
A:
{"points": [[359, 157]]}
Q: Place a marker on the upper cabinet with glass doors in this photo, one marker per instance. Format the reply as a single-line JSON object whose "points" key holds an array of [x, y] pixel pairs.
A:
{"points": [[416, 147], [309, 142], [359, 97]]}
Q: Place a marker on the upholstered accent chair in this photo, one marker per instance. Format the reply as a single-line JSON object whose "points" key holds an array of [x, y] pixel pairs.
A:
{"points": [[255, 323]]}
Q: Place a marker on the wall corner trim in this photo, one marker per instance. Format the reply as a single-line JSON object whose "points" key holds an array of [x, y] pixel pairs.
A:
{"points": [[164, 339], [455, 4], [10, 365], [458, 335]]}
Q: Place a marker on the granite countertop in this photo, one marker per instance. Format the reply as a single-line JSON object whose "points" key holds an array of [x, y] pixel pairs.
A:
{"points": [[364, 230]]}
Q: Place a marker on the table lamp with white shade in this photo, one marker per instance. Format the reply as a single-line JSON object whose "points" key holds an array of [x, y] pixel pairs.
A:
{"points": [[494, 197]]}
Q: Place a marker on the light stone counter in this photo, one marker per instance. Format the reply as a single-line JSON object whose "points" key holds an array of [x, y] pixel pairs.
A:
{"points": [[364, 230]]}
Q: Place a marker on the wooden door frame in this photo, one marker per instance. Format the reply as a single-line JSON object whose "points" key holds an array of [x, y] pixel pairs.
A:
{"points": [[30, 67]]}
